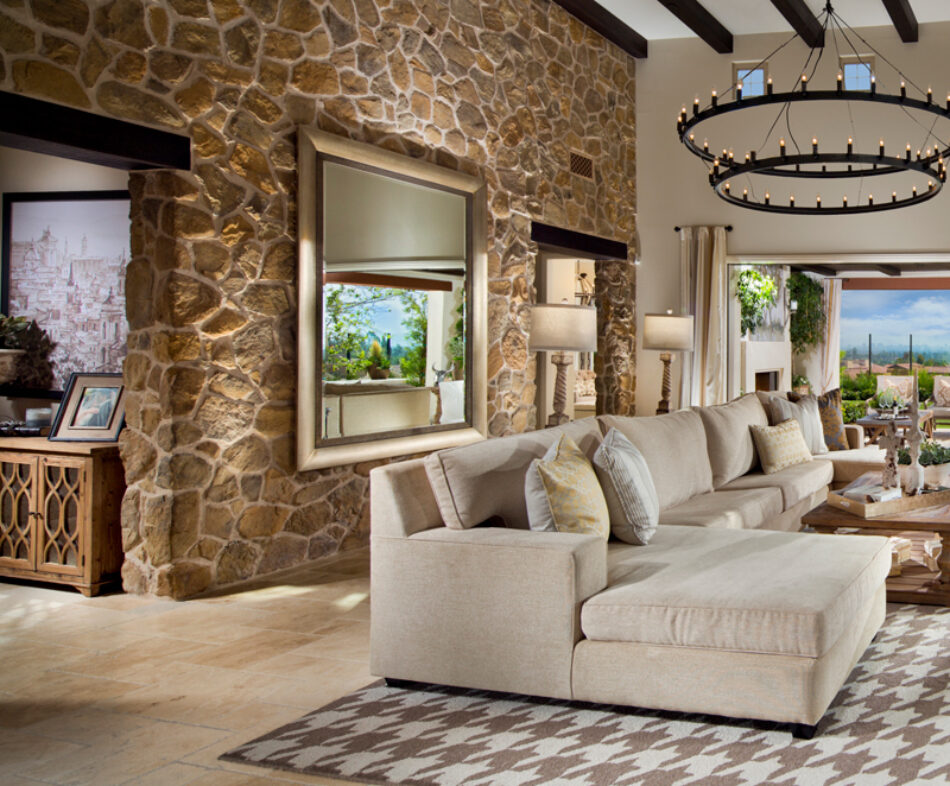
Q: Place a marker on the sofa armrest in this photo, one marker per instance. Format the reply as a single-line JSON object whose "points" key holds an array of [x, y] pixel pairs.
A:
{"points": [[855, 435], [486, 608]]}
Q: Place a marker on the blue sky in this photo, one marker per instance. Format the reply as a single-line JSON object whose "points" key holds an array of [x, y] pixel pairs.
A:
{"points": [[891, 316]]}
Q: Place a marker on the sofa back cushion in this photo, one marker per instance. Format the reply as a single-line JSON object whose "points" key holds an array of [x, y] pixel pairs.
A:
{"points": [[674, 448], [729, 436], [475, 483], [804, 409]]}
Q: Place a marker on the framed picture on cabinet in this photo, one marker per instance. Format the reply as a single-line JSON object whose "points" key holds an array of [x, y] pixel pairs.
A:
{"points": [[92, 410], [64, 256]]}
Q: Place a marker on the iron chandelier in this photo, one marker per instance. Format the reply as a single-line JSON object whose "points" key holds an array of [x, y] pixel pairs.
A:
{"points": [[734, 179]]}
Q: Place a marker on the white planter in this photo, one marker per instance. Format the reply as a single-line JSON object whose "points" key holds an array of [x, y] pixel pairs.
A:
{"points": [[8, 359], [934, 475]]}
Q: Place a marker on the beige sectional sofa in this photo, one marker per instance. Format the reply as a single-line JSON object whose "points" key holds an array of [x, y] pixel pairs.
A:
{"points": [[728, 610]]}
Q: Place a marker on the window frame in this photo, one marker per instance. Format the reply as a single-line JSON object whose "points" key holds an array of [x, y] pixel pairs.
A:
{"points": [[751, 65]]}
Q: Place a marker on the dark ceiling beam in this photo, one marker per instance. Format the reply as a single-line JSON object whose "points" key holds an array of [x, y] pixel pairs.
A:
{"points": [[42, 127], [701, 22], [818, 270], [888, 270], [599, 19], [902, 15], [802, 20]]}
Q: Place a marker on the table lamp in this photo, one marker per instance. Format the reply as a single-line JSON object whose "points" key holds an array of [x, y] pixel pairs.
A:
{"points": [[562, 328], [667, 333]]}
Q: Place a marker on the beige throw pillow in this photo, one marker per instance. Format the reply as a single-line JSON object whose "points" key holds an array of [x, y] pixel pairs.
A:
{"points": [[805, 411], [628, 488], [780, 446], [562, 493], [942, 391]]}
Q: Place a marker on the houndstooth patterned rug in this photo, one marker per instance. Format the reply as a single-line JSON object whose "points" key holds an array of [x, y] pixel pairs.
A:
{"points": [[890, 724]]}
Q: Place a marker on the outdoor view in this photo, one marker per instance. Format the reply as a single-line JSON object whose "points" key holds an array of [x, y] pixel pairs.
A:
{"points": [[381, 332], [891, 318]]}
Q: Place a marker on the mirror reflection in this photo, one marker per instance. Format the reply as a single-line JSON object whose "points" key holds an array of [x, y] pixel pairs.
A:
{"points": [[396, 256]]}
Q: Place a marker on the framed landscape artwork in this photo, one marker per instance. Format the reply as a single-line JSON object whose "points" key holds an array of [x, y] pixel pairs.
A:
{"points": [[93, 409], [64, 259]]}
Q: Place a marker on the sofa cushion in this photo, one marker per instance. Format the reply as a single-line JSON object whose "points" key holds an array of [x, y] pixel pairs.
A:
{"points": [[628, 488], [796, 483], [805, 411], [485, 480], [780, 446], [765, 398], [734, 509], [788, 593], [728, 437], [674, 448], [562, 493], [851, 464]]}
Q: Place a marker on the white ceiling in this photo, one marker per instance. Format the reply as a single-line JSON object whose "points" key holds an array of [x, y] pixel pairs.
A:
{"points": [[743, 17]]}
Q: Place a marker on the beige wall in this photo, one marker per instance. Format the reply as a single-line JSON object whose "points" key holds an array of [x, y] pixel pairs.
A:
{"points": [[24, 171], [674, 191]]}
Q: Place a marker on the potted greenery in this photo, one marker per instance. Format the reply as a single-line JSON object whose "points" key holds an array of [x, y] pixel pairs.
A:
{"points": [[24, 353], [378, 367], [801, 385], [806, 326], [935, 459], [756, 293]]}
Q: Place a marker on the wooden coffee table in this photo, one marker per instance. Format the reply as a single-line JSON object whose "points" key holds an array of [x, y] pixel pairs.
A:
{"points": [[875, 426], [917, 585]]}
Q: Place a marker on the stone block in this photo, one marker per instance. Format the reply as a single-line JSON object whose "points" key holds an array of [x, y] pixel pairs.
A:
{"points": [[45, 80]]}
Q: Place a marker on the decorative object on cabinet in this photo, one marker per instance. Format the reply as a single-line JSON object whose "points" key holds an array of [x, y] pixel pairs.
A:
{"points": [[59, 512], [562, 328], [93, 409], [667, 333]]}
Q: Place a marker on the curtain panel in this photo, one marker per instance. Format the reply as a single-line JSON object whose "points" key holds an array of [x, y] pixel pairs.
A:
{"points": [[704, 293], [830, 354]]}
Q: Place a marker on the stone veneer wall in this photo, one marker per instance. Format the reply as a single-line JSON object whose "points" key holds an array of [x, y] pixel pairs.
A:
{"points": [[502, 89]]}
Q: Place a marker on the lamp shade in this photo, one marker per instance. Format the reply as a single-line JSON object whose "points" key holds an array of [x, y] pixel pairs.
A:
{"points": [[668, 332], [561, 327]]}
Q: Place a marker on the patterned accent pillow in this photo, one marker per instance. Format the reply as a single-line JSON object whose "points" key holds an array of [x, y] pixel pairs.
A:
{"points": [[832, 421], [562, 493], [942, 391], [780, 446], [628, 488]]}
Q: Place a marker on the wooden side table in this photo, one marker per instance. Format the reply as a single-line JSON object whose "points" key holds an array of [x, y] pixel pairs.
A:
{"points": [[923, 586], [60, 508], [874, 426]]}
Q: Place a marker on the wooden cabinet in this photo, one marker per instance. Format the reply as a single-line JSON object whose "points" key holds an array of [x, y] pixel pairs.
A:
{"points": [[60, 504]]}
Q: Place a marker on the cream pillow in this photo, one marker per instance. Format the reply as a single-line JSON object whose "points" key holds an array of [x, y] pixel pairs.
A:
{"points": [[780, 446], [805, 411], [942, 391], [628, 489], [562, 493]]}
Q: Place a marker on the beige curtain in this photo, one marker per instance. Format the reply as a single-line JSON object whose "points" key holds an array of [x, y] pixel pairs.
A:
{"points": [[703, 293], [830, 350]]}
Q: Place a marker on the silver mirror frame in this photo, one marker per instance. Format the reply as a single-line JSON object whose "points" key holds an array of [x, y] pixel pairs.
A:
{"points": [[311, 142]]}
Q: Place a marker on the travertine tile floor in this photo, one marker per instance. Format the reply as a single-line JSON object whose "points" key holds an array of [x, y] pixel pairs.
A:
{"points": [[125, 689]]}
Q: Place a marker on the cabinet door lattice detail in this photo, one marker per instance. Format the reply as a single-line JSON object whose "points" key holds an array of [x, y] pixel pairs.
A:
{"points": [[61, 516], [16, 511]]}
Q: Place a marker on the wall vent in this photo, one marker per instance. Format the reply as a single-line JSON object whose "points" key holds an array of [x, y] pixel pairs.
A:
{"points": [[582, 165]]}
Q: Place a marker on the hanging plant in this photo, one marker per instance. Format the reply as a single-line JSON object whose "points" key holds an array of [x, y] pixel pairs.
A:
{"points": [[807, 324], [756, 293]]}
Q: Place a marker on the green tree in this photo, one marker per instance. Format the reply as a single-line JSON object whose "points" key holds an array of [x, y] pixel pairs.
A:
{"points": [[756, 292], [457, 342], [349, 316], [415, 307]]}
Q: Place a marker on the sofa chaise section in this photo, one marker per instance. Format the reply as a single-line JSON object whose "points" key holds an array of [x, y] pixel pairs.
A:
{"points": [[745, 624]]}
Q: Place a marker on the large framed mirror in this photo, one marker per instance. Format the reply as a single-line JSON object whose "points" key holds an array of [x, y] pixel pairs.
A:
{"points": [[392, 281]]}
